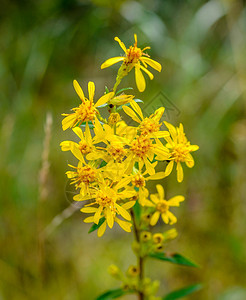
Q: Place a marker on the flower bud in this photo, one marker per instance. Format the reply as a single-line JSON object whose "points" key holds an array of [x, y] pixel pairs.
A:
{"points": [[170, 234], [132, 271], [158, 238], [145, 236], [113, 270]]}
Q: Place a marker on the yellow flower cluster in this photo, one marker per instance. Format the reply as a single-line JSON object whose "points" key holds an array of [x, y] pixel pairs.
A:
{"points": [[116, 160]]}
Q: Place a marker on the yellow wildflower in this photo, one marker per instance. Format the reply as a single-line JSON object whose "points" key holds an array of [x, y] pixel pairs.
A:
{"points": [[115, 145], [83, 176], [142, 150], [134, 56], [162, 206], [87, 110], [85, 145], [148, 125], [106, 198], [113, 118], [139, 179], [180, 149]]}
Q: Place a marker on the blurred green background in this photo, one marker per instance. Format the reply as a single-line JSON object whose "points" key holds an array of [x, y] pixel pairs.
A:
{"points": [[45, 251]]}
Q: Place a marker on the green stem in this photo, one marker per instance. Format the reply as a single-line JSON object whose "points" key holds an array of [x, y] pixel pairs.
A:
{"points": [[139, 257]]}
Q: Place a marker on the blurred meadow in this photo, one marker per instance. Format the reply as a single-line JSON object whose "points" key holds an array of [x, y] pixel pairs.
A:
{"points": [[45, 250]]}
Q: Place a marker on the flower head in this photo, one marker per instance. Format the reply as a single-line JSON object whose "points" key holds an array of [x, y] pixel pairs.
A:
{"points": [[147, 126], [180, 149], [107, 204], [134, 56], [162, 206], [83, 177], [87, 110]]}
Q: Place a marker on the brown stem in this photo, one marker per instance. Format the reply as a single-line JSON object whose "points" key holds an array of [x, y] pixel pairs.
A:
{"points": [[139, 257]]}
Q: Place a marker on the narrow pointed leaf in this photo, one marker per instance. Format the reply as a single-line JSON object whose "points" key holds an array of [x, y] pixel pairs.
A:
{"points": [[96, 226], [122, 90], [182, 292], [112, 294], [174, 258]]}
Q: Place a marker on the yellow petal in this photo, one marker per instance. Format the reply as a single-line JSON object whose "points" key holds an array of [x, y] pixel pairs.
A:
{"points": [[111, 61], [154, 219], [69, 121], [94, 155], [123, 183], [189, 161], [88, 209], [76, 152], [193, 147], [98, 214], [160, 191], [91, 90], [80, 197], [162, 152], [137, 108], [154, 198], [157, 176], [165, 218], [88, 134], [89, 219], [169, 168], [101, 229], [79, 132], [174, 201], [140, 81], [151, 76], [122, 45], [65, 145], [99, 133], [109, 216], [129, 204], [123, 212], [149, 166], [131, 113], [124, 225], [78, 90], [172, 130], [180, 173], [161, 134], [172, 217], [154, 64], [105, 98]]}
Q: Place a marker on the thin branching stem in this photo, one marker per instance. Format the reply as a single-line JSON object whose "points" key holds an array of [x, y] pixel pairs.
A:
{"points": [[139, 257]]}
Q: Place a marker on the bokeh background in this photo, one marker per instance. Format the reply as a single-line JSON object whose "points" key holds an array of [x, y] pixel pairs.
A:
{"points": [[45, 251]]}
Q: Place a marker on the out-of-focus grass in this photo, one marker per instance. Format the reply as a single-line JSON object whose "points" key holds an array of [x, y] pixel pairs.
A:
{"points": [[44, 46]]}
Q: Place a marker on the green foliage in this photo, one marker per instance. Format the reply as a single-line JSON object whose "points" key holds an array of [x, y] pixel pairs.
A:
{"points": [[174, 258], [112, 294], [96, 226], [182, 292], [123, 90]]}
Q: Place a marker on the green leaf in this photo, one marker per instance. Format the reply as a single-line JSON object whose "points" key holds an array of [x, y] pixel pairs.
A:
{"points": [[112, 294], [174, 258], [128, 104], [182, 292], [106, 89], [91, 126], [122, 90], [96, 226]]}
